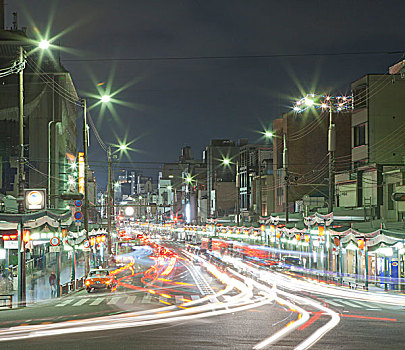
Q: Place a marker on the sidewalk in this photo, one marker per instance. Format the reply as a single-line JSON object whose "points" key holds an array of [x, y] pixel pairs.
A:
{"points": [[38, 287]]}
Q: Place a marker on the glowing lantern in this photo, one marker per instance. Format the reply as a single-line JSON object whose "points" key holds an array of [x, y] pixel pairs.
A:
{"points": [[262, 228], [336, 240], [361, 244], [26, 236], [307, 238], [92, 241], [321, 230], [278, 234], [298, 237]]}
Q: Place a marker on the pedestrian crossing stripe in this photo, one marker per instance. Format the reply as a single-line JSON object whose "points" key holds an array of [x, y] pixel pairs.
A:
{"points": [[130, 299], [124, 300], [114, 300], [359, 304], [96, 302], [81, 302], [65, 302], [351, 304]]}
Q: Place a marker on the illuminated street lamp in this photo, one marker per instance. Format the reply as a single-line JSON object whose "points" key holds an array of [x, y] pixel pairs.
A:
{"points": [[21, 175], [86, 199], [268, 134], [105, 98], [334, 104], [44, 44]]}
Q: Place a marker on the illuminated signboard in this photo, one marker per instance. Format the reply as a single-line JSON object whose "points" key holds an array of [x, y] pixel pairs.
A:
{"points": [[81, 172], [35, 199]]}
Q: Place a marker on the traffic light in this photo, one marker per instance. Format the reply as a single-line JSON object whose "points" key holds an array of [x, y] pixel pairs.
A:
{"points": [[398, 196]]}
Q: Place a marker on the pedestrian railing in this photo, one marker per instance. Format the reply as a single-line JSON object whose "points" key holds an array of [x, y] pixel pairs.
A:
{"points": [[6, 301], [72, 286]]}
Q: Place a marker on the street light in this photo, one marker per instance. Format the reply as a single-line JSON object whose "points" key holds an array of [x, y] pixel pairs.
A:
{"points": [[86, 198], [105, 98], [21, 177], [44, 44], [334, 104], [226, 161], [268, 134], [271, 134]]}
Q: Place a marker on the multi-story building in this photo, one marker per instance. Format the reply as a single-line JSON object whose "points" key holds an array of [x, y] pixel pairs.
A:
{"points": [[182, 183], [221, 177], [306, 137], [50, 113], [377, 155], [255, 168]]}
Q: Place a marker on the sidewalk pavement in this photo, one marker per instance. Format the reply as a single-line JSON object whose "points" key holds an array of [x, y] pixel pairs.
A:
{"points": [[38, 287]]}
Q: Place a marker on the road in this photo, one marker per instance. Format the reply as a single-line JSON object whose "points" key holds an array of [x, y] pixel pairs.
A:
{"points": [[198, 306]]}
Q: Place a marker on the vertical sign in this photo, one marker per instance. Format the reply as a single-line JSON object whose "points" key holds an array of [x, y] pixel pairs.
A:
{"points": [[81, 172]]}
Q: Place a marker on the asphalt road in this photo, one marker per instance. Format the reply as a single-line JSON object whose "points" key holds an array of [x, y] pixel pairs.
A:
{"points": [[363, 324], [358, 329]]}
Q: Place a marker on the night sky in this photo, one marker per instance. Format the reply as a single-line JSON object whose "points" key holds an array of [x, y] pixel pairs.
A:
{"points": [[177, 102]]}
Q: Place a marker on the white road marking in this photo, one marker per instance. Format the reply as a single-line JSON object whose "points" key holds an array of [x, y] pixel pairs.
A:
{"points": [[97, 301], [350, 304], [333, 303], [146, 299], [130, 299], [113, 300], [65, 302], [81, 302]]}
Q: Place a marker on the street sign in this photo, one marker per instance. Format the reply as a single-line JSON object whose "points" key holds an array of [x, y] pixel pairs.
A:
{"points": [[86, 244], [78, 203], [54, 241], [78, 215], [54, 249], [11, 244]]}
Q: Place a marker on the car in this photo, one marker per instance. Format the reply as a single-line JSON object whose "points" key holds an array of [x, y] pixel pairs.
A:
{"points": [[100, 279]]}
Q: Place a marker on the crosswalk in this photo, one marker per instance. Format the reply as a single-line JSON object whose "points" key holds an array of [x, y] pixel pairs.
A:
{"points": [[358, 304], [126, 300]]}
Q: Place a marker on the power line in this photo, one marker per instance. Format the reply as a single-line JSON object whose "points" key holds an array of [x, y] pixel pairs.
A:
{"points": [[228, 57]]}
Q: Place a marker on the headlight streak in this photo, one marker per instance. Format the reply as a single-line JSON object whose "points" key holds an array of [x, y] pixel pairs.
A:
{"points": [[335, 291], [266, 276], [162, 319], [150, 317]]}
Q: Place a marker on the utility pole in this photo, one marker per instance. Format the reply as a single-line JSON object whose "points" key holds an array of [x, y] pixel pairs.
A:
{"points": [[237, 194], [260, 184], [109, 199], [285, 167], [331, 149], [21, 178], [21, 175], [86, 197]]}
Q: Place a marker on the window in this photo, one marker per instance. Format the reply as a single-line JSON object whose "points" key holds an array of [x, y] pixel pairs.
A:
{"points": [[360, 97], [360, 135]]}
